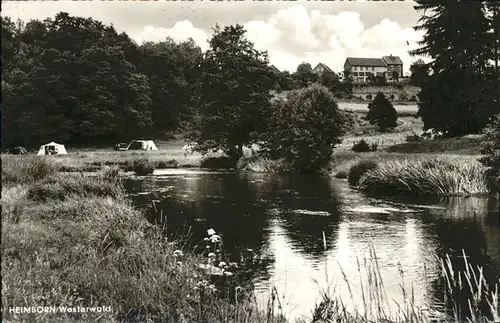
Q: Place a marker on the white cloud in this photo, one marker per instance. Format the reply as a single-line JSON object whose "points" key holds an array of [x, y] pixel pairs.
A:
{"points": [[293, 35], [181, 31]]}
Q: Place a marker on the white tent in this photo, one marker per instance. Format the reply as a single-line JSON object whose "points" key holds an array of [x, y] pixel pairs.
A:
{"points": [[142, 145], [52, 148]]}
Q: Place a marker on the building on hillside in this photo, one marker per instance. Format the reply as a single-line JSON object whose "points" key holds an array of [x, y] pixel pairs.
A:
{"points": [[321, 68], [394, 64], [361, 68]]}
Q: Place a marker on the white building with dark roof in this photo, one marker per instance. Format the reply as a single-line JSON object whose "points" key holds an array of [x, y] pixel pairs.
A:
{"points": [[361, 68]]}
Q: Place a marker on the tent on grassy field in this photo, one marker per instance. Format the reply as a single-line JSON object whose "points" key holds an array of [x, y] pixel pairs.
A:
{"points": [[142, 145], [52, 148]]}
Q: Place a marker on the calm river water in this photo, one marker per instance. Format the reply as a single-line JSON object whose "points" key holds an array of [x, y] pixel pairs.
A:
{"points": [[279, 221]]}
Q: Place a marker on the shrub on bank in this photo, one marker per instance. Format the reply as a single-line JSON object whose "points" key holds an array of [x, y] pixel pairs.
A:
{"points": [[491, 153], [263, 165], [168, 164], [382, 113], [439, 177], [362, 146], [359, 169], [143, 167], [217, 162]]}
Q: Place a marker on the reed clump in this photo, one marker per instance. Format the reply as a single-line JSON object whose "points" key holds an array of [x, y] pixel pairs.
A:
{"points": [[438, 177]]}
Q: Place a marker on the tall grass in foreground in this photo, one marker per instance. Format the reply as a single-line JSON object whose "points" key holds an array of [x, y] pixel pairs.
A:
{"points": [[438, 176], [467, 287], [27, 169]]}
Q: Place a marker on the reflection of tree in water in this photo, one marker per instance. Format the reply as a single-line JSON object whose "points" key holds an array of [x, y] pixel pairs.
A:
{"points": [[226, 203], [303, 201], [466, 224]]}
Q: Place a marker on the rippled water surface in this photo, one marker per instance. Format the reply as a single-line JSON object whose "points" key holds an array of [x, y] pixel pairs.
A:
{"points": [[281, 222]]}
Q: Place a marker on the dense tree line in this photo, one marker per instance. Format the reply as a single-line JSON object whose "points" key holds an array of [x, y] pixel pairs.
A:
{"points": [[77, 81], [460, 86]]}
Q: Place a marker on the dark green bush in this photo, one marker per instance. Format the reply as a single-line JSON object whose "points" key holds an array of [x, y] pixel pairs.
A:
{"points": [[143, 167], [168, 164], [382, 113], [359, 169], [219, 162], [361, 146]]}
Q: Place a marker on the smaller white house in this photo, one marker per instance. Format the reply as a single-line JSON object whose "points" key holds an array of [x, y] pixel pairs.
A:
{"points": [[52, 148]]}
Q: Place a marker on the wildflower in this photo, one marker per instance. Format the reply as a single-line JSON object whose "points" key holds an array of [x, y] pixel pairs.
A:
{"points": [[212, 288], [211, 255], [215, 238], [201, 285], [210, 232], [222, 264], [178, 253], [207, 247], [206, 239]]}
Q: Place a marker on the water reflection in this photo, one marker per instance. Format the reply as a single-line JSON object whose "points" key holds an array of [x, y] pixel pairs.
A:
{"points": [[280, 222]]}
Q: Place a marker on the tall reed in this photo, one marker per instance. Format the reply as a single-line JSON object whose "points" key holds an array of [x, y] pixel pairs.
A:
{"points": [[438, 176]]}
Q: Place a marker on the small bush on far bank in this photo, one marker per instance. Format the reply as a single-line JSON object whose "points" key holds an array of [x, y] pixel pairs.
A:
{"points": [[217, 162], [168, 164], [263, 165], [382, 113], [359, 169], [363, 146], [143, 167]]}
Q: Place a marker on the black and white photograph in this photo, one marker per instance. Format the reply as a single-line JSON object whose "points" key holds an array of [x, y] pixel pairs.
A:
{"points": [[250, 161]]}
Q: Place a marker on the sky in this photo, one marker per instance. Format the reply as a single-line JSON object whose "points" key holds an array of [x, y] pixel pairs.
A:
{"points": [[291, 32]]}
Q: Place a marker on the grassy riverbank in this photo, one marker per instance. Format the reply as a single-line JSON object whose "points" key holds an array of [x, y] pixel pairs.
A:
{"points": [[75, 240]]}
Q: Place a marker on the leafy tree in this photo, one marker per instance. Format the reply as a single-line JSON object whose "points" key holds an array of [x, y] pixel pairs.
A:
{"points": [[346, 86], [419, 72], [305, 129], [371, 79], [286, 81], [74, 80], [492, 153], [304, 75], [382, 113], [235, 85], [172, 70], [493, 9], [330, 80]]}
